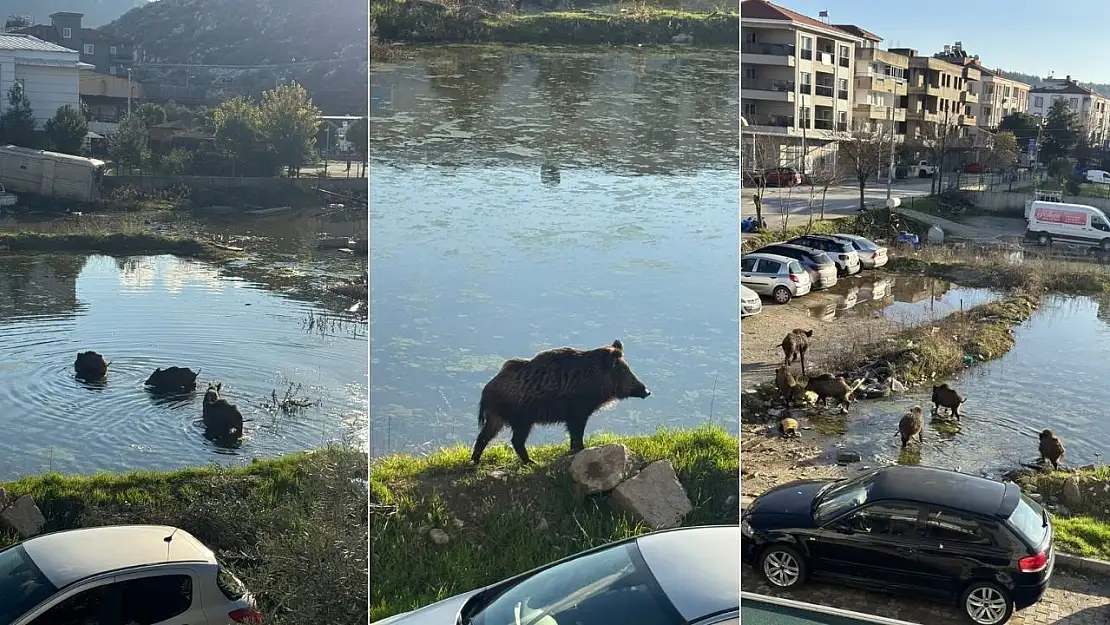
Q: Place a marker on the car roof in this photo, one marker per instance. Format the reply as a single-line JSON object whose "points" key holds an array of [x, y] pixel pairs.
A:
{"points": [[767, 255], [941, 487], [821, 237], [73, 555], [801, 248], [698, 568]]}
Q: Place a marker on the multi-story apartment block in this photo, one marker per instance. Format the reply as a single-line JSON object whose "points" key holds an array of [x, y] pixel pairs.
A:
{"points": [[940, 94], [1000, 97], [1092, 107], [880, 84], [796, 83], [108, 54]]}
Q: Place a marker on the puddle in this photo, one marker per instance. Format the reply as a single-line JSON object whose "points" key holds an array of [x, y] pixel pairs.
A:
{"points": [[906, 300]]}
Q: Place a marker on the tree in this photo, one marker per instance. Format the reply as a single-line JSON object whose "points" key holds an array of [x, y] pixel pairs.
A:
{"points": [[289, 123], [863, 152], [1022, 126], [127, 147], [759, 155], [358, 134], [937, 139], [67, 130], [1004, 151], [17, 125], [1062, 131], [823, 178], [237, 122], [151, 114]]}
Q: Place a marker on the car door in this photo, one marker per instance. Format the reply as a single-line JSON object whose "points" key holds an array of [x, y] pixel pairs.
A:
{"points": [[767, 271], [876, 544], [169, 596], [748, 275], [952, 545], [97, 602]]}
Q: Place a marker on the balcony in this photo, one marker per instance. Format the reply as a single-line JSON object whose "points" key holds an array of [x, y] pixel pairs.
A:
{"points": [[969, 98], [774, 90], [825, 91], [768, 54], [965, 120], [122, 56], [773, 124], [882, 112], [825, 58], [823, 124]]}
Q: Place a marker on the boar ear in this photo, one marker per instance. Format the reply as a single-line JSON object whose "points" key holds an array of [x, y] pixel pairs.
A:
{"points": [[617, 345]]}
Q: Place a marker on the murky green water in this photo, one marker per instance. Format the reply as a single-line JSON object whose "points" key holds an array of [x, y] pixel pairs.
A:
{"points": [[528, 199]]}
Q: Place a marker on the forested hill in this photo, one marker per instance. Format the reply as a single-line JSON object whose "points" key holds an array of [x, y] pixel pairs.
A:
{"points": [[242, 47], [96, 12]]}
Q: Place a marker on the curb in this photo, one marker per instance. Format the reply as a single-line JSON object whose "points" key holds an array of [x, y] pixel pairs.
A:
{"points": [[1066, 560]]}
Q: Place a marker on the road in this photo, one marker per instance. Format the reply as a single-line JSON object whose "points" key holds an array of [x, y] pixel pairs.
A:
{"points": [[840, 200], [1072, 600]]}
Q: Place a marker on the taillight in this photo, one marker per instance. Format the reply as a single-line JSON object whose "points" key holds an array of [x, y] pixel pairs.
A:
{"points": [[1033, 564], [245, 615], [874, 255], [794, 278]]}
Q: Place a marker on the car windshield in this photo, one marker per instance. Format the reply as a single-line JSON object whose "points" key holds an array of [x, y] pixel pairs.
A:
{"points": [[841, 498], [22, 584], [609, 586], [1029, 521]]}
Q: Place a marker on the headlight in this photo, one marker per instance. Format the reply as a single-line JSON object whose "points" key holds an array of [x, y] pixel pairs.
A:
{"points": [[746, 528]]}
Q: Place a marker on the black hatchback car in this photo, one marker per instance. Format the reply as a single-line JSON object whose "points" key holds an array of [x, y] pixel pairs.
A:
{"points": [[907, 529]]}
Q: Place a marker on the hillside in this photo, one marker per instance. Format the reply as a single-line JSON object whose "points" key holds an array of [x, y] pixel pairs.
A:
{"points": [[321, 44], [96, 12], [1036, 81]]}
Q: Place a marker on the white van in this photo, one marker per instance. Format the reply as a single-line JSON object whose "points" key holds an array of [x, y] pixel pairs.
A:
{"points": [[1068, 223], [1098, 176]]}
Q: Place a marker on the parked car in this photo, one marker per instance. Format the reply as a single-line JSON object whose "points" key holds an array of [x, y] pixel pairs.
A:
{"points": [[871, 254], [931, 533], [821, 268], [670, 577], [139, 573], [777, 277], [842, 253], [782, 177], [975, 168], [750, 304], [924, 170]]}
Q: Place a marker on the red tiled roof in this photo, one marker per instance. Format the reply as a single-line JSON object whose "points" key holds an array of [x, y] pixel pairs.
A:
{"points": [[763, 10], [859, 32]]}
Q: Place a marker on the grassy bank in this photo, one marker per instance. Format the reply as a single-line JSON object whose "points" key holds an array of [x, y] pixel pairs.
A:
{"points": [[1083, 522], [991, 267], [423, 21], [504, 519], [113, 243], [294, 529]]}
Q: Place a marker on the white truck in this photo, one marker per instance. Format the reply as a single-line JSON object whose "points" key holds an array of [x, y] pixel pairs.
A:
{"points": [[924, 169]]}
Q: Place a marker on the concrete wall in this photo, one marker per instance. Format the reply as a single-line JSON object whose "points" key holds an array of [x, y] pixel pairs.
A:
{"points": [[152, 183], [48, 89], [1001, 201]]}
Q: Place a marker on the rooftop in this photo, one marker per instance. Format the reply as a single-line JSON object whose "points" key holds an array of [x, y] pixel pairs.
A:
{"points": [[25, 42], [763, 10], [1064, 86], [70, 556], [859, 32], [940, 487]]}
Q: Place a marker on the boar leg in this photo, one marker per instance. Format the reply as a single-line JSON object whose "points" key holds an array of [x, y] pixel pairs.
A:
{"points": [[520, 435]]}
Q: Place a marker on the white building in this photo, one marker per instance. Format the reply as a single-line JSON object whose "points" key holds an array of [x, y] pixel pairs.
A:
{"points": [[1001, 97], [48, 73], [1092, 108]]}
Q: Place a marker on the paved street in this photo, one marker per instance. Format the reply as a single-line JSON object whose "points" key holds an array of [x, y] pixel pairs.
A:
{"points": [[1072, 600], [840, 200]]}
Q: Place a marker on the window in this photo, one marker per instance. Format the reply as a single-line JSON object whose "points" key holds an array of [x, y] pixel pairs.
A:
{"points": [[22, 585], [1074, 103], [111, 50], [112, 70], [67, 33], [749, 71], [89, 606], [769, 267], [804, 116], [943, 526], [747, 265], [149, 600], [892, 519], [845, 58], [1007, 94], [807, 48], [749, 109], [1038, 102], [1098, 223], [807, 82], [750, 36], [89, 49]]}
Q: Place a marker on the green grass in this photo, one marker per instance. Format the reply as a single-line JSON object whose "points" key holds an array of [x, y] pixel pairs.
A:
{"points": [[1085, 530], [112, 243], [293, 528], [993, 269], [515, 518], [404, 21], [1082, 536]]}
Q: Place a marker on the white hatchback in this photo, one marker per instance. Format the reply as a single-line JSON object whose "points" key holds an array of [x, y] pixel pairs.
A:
{"points": [[120, 574]]}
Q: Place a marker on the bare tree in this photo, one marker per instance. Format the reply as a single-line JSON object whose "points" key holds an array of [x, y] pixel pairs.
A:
{"points": [[823, 178], [759, 155], [863, 152], [937, 140]]}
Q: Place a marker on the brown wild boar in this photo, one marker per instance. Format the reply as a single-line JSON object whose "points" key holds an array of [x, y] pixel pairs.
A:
{"points": [[945, 396], [172, 380], [828, 386], [911, 425], [222, 419], [1052, 448], [785, 383], [562, 385], [794, 346], [90, 366], [789, 428]]}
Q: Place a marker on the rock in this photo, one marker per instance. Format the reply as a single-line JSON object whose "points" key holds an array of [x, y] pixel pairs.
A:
{"points": [[459, 523], [541, 525], [600, 469], [1072, 497], [775, 412], [1063, 510], [4, 499], [655, 496], [439, 537], [847, 456], [23, 517], [1037, 497]]}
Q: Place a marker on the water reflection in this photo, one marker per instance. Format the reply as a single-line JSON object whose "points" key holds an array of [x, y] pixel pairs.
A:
{"points": [[906, 300]]}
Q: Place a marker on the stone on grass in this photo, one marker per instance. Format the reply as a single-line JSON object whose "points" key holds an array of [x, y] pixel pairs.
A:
{"points": [[4, 499], [439, 536], [847, 456], [1072, 496], [23, 517], [655, 496], [600, 469]]}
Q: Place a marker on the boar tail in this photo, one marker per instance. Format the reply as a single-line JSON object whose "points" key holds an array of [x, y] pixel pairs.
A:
{"points": [[482, 412]]}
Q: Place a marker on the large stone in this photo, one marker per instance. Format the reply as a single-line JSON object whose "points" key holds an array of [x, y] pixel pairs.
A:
{"points": [[23, 517], [5, 499], [1072, 496], [600, 469], [655, 496]]}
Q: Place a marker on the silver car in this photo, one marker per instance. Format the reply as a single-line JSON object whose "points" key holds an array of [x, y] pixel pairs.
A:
{"points": [[777, 277], [843, 253], [670, 577], [871, 254], [822, 270], [750, 304]]}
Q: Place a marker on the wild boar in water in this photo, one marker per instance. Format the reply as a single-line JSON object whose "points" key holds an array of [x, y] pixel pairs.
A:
{"points": [[562, 385], [828, 386], [90, 366], [911, 425], [945, 396], [222, 419], [172, 380], [795, 345]]}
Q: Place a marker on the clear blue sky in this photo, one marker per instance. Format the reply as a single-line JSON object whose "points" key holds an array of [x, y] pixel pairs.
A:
{"points": [[1034, 37]]}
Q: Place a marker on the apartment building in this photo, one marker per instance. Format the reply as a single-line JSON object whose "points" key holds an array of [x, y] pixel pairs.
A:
{"points": [[1000, 97], [796, 85], [109, 55], [1092, 107], [880, 84], [940, 93]]}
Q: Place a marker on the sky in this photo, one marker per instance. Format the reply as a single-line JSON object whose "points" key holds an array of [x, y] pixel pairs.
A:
{"points": [[1033, 37]]}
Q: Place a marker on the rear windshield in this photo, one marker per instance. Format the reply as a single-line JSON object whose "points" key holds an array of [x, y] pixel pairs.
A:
{"points": [[22, 584], [1028, 520], [822, 259], [230, 585], [795, 267], [842, 246]]}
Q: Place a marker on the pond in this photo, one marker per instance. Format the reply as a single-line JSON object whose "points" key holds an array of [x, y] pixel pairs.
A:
{"points": [[1051, 379], [525, 199], [157, 311], [906, 300]]}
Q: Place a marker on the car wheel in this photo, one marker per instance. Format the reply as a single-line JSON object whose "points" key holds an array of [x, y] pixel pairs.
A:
{"points": [[781, 295], [782, 566], [1043, 239], [986, 603], [1105, 245]]}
